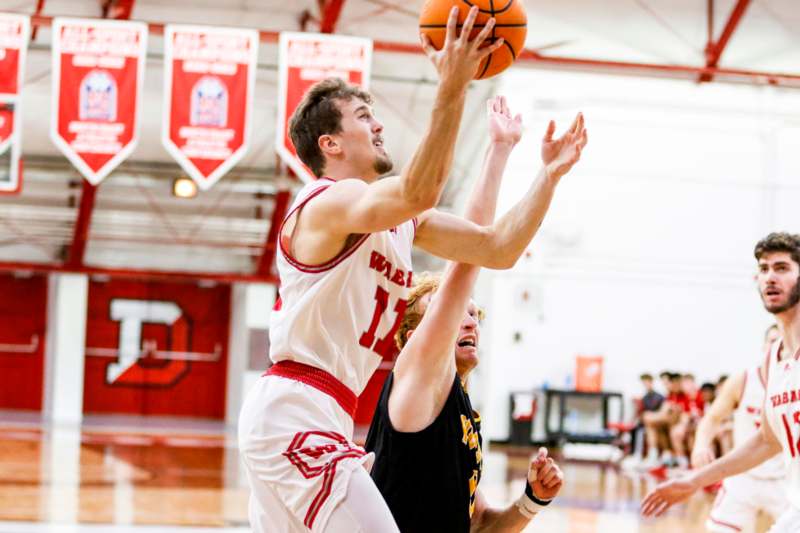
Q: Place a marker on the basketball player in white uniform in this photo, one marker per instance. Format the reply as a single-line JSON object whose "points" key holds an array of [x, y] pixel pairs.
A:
{"points": [[778, 276], [760, 489], [344, 260]]}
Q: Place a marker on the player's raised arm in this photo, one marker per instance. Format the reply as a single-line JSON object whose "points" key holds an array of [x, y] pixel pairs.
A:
{"points": [[359, 207], [500, 245], [425, 368]]}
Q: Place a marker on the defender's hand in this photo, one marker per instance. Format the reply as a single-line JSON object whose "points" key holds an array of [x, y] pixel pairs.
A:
{"points": [[559, 155], [458, 60], [544, 476], [503, 128], [667, 494]]}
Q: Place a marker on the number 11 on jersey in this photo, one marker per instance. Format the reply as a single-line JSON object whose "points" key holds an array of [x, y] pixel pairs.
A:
{"points": [[382, 346]]}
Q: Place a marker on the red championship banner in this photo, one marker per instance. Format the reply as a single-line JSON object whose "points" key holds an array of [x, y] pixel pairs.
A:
{"points": [[98, 71], [14, 32], [304, 59], [6, 125], [209, 78], [10, 178]]}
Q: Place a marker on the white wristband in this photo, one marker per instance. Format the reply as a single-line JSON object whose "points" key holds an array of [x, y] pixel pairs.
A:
{"points": [[528, 508]]}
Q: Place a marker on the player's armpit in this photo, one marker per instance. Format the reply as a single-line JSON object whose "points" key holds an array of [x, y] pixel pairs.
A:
{"points": [[768, 437], [352, 206]]}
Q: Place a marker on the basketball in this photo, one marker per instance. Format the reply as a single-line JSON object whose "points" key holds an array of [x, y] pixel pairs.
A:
{"points": [[511, 23]]}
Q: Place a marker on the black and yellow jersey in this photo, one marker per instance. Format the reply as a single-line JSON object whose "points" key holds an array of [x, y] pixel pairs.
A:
{"points": [[429, 478]]}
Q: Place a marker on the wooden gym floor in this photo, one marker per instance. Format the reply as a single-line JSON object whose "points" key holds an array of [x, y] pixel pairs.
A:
{"points": [[116, 477]]}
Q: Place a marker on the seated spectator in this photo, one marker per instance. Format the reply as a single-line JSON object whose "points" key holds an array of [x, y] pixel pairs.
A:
{"points": [[690, 406], [657, 424], [708, 391], [650, 402], [664, 386], [693, 394]]}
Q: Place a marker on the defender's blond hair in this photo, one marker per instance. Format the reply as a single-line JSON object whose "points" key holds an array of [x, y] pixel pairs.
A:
{"points": [[425, 283]]}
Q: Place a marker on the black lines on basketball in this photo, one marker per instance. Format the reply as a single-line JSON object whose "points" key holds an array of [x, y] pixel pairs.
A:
{"points": [[458, 26], [510, 49], [510, 26], [492, 11]]}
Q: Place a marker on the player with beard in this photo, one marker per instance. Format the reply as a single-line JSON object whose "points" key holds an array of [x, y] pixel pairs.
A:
{"points": [[425, 434], [344, 263], [778, 280], [741, 497]]}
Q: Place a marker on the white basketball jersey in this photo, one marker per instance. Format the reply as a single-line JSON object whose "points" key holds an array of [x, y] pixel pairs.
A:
{"points": [[747, 421], [783, 413], [341, 316]]}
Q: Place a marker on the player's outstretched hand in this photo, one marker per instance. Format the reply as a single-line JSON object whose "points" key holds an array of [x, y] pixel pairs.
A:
{"points": [[544, 476], [503, 128], [559, 155], [458, 60], [667, 494]]}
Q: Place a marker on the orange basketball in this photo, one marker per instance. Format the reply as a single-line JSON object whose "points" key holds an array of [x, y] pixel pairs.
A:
{"points": [[511, 24]]}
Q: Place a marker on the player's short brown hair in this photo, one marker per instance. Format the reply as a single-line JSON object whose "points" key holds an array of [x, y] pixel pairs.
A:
{"points": [[779, 242], [423, 284], [318, 115]]}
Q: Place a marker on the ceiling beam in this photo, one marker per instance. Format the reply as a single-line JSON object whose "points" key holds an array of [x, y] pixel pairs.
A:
{"points": [[38, 12], [532, 58], [80, 234], [714, 50], [331, 10], [267, 259]]}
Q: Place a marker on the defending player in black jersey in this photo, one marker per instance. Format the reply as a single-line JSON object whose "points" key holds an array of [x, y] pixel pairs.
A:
{"points": [[425, 434]]}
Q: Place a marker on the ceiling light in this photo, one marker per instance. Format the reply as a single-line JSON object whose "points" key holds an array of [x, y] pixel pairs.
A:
{"points": [[184, 187]]}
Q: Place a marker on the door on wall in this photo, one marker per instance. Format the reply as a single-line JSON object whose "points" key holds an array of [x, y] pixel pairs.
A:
{"points": [[156, 348], [23, 323]]}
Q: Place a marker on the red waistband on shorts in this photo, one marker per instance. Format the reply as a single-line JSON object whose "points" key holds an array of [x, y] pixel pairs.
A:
{"points": [[319, 379]]}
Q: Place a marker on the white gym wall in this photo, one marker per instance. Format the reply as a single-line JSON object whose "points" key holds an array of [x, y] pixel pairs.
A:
{"points": [[646, 254]]}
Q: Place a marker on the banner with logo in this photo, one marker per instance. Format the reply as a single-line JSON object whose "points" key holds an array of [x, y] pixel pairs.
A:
{"points": [[7, 112], [209, 79], [98, 72], [9, 147], [303, 60], [14, 34]]}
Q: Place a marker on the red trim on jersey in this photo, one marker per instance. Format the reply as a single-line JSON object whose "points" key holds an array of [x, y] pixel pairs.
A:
{"points": [[716, 505], [297, 453], [335, 260], [766, 363], [414, 221], [741, 392], [724, 524], [327, 485], [320, 380]]}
